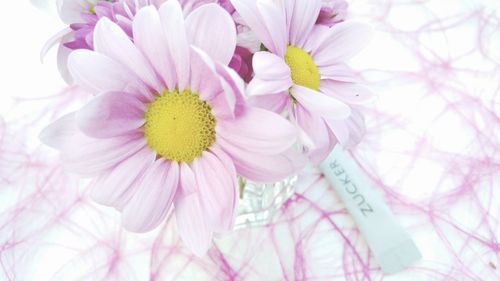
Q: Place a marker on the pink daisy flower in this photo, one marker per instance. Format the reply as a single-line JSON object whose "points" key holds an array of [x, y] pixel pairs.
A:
{"points": [[302, 69], [82, 16], [169, 126]]}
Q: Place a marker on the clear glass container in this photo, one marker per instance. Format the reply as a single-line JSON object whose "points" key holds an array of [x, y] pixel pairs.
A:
{"points": [[258, 202]]}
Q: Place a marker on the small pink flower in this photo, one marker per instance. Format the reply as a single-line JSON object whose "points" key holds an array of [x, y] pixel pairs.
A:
{"points": [[82, 16], [169, 126], [302, 69]]}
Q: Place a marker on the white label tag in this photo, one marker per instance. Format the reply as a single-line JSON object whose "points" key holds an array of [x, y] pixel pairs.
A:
{"points": [[391, 245]]}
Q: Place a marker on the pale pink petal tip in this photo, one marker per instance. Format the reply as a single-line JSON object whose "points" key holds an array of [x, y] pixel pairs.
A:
{"points": [[193, 226], [56, 134], [154, 196]]}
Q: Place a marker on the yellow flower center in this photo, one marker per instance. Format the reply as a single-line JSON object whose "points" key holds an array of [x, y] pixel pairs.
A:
{"points": [[179, 126], [304, 70]]}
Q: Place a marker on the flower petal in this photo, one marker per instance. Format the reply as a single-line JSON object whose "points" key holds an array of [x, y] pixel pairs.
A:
{"points": [[203, 79], [172, 21], [111, 40], [187, 180], [317, 139], [111, 114], [275, 102], [267, 30], [234, 88], [58, 132], [70, 10], [55, 39], [273, 134], [344, 40], [98, 73], [88, 156], [192, 223], [302, 20], [116, 187], [212, 29], [150, 204], [149, 37], [274, 17], [259, 87], [321, 104], [264, 168], [227, 102], [349, 132], [62, 62], [217, 186], [338, 72], [268, 66], [351, 93]]}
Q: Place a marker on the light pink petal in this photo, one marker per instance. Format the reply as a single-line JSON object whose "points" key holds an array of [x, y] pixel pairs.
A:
{"points": [[98, 73], [349, 132], [212, 29], [275, 103], [351, 93], [259, 87], [70, 10], [116, 187], [345, 39], [272, 75], [172, 21], [187, 180], [339, 129], [89, 156], [150, 204], [305, 14], [229, 101], [264, 168], [316, 37], [203, 79], [234, 88], [317, 139], [57, 38], [62, 63], [111, 114], [260, 131], [267, 30], [338, 72], [149, 37], [217, 186], [274, 17], [321, 104], [268, 66], [111, 40], [57, 133], [192, 223]]}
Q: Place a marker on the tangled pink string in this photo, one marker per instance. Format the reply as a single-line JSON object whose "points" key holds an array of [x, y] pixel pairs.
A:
{"points": [[432, 149]]}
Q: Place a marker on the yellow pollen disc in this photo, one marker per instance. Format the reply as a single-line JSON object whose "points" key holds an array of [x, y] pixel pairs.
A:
{"points": [[179, 126], [303, 68]]}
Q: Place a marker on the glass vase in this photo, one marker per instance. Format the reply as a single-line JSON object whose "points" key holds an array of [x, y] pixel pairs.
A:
{"points": [[258, 202]]}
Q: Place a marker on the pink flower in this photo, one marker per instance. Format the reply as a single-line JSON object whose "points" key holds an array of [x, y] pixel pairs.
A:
{"points": [[82, 16], [83, 23], [169, 125], [302, 69]]}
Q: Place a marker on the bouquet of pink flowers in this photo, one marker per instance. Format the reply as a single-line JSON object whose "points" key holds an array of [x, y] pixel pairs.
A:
{"points": [[189, 95]]}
